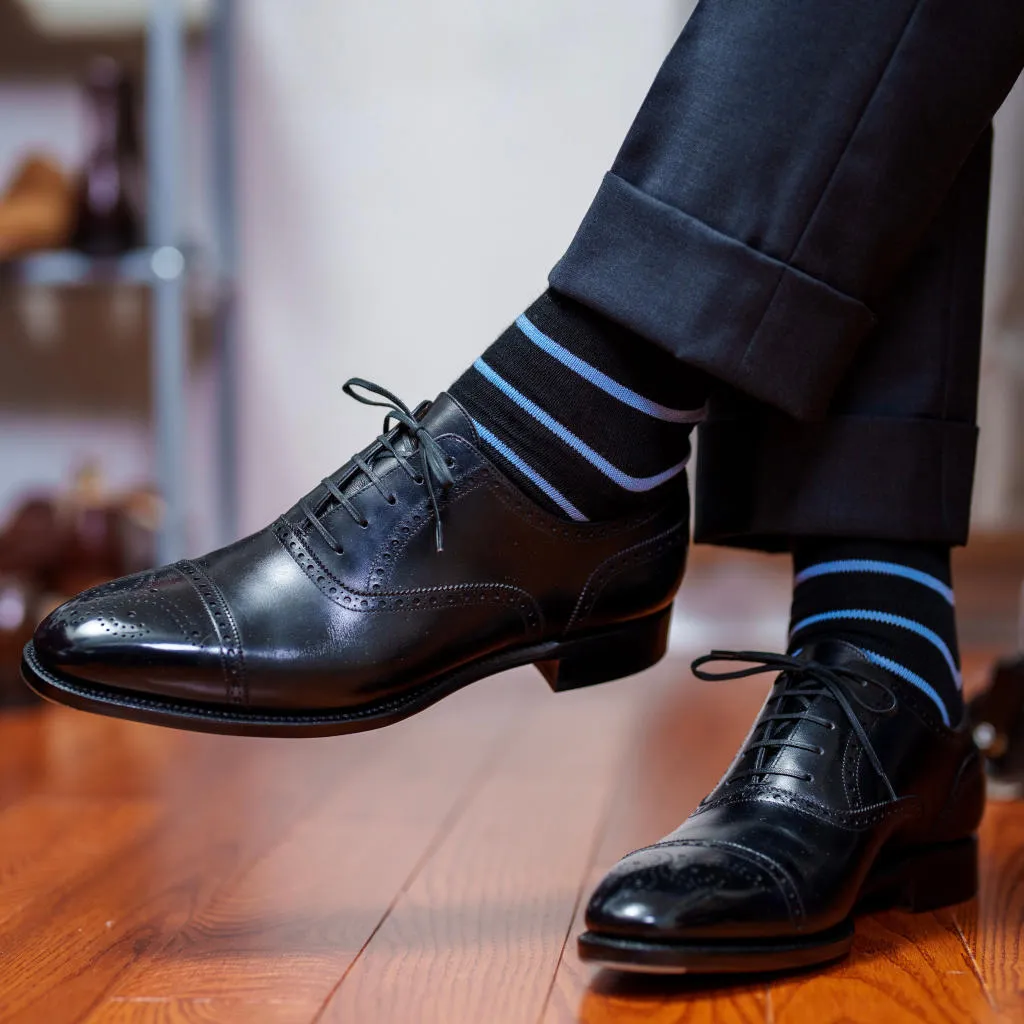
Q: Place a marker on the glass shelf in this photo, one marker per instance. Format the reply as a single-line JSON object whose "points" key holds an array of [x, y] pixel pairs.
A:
{"points": [[66, 267]]}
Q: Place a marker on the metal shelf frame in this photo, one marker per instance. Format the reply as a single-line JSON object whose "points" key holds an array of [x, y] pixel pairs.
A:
{"points": [[165, 266]]}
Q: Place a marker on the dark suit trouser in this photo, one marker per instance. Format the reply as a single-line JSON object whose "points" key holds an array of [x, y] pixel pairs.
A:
{"points": [[799, 209]]}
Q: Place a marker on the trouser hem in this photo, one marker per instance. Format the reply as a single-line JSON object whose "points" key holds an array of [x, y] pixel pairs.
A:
{"points": [[759, 324], [763, 482]]}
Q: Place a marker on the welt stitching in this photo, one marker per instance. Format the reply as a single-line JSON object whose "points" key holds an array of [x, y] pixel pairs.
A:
{"points": [[909, 807], [851, 799], [606, 571], [858, 770], [216, 630], [233, 658], [451, 596]]}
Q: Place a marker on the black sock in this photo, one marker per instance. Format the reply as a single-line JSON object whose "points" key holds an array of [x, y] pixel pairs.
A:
{"points": [[591, 419], [893, 601]]}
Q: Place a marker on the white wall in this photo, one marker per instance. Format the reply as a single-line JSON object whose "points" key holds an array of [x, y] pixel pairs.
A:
{"points": [[999, 482], [410, 172]]}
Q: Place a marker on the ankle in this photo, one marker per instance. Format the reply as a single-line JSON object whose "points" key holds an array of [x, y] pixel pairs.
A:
{"points": [[586, 416], [893, 601]]}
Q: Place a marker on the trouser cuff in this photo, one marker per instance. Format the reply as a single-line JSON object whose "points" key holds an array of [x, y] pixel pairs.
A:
{"points": [[755, 322], [762, 482]]}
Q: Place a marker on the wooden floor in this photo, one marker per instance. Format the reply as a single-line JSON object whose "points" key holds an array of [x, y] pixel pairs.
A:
{"points": [[431, 872]]}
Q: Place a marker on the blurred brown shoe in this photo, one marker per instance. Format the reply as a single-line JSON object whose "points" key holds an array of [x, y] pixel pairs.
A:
{"points": [[79, 538], [20, 610], [37, 209], [54, 546], [997, 715]]}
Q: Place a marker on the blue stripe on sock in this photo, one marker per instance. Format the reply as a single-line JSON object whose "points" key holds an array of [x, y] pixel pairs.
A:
{"points": [[866, 615], [601, 380], [884, 568], [903, 672], [911, 677], [624, 480], [530, 473]]}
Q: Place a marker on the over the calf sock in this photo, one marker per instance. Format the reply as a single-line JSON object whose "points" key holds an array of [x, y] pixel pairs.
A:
{"points": [[893, 601], [589, 418]]}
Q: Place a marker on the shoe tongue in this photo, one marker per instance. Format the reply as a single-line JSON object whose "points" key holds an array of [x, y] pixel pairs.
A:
{"points": [[840, 653], [445, 416], [832, 652]]}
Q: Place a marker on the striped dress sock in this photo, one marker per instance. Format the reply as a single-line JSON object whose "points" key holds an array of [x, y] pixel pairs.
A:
{"points": [[893, 601], [590, 419]]}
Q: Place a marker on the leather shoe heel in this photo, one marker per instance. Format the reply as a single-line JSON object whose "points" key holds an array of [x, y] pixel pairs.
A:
{"points": [[612, 654], [927, 878]]}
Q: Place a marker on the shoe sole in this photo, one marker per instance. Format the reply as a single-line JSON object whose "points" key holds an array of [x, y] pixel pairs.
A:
{"points": [[918, 880], [599, 657]]}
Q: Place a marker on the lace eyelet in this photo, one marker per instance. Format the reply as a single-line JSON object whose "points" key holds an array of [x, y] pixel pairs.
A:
{"points": [[450, 462], [417, 479], [365, 524], [392, 500], [821, 751]]}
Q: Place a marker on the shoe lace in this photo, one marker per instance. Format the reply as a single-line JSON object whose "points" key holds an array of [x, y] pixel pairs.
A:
{"points": [[805, 679], [434, 464]]}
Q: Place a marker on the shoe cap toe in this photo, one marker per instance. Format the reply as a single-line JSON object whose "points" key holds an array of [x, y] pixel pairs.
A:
{"points": [[134, 631], [683, 890]]}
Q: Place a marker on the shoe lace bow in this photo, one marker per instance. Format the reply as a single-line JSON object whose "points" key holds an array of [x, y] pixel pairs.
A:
{"points": [[806, 679], [434, 465]]}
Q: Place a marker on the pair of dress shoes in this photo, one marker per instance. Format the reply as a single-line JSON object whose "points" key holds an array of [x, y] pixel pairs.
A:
{"points": [[419, 567]]}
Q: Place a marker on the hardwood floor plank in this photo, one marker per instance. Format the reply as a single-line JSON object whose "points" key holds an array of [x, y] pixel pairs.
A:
{"points": [[992, 924], [297, 917], [477, 934], [47, 843], [199, 1011], [62, 752], [626, 999], [288, 922], [223, 803], [686, 735], [904, 968]]}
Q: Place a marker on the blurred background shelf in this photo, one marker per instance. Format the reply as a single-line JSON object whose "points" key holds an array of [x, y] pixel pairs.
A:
{"points": [[71, 325], [68, 268], [44, 39], [75, 20]]}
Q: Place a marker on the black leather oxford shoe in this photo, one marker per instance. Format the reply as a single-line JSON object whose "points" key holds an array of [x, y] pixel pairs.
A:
{"points": [[348, 613], [848, 794]]}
